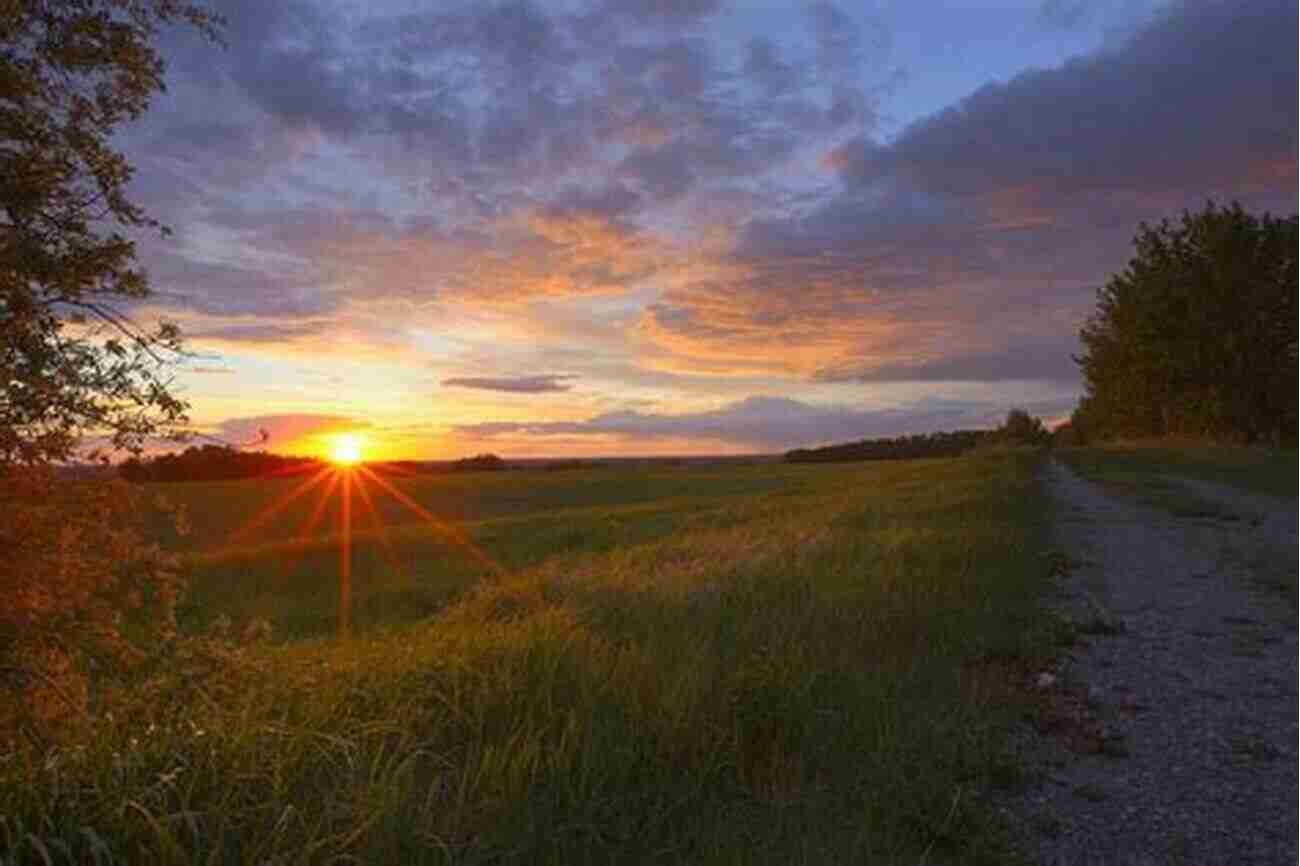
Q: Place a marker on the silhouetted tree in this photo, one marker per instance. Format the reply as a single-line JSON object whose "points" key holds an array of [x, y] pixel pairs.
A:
{"points": [[1021, 428], [71, 363], [478, 463], [212, 462], [1198, 334], [79, 588]]}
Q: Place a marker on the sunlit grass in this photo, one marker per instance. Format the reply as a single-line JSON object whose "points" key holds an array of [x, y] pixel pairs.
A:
{"points": [[768, 666], [254, 559]]}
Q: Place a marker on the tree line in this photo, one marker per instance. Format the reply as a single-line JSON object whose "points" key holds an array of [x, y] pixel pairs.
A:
{"points": [[942, 444], [214, 463], [1019, 428]]}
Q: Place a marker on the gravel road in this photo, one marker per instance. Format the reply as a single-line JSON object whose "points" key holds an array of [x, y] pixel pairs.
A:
{"points": [[1169, 730]]}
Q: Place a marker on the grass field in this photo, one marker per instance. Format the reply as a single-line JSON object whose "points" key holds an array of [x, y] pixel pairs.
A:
{"points": [[407, 565], [751, 664], [1138, 467]]}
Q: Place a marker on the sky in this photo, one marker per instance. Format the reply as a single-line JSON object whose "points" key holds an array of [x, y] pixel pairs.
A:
{"points": [[645, 227]]}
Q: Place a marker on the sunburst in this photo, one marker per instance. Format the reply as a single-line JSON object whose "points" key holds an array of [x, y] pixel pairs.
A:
{"points": [[347, 449], [343, 476]]}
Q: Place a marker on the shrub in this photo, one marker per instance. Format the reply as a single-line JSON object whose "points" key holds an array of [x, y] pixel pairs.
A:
{"points": [[81, 591]]}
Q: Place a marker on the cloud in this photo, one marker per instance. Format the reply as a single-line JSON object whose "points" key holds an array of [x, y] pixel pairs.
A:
{"points": [[713, 208], [254, 332], [674, 10], [1021, 359], [972, 244], [284, 429], [761, 422], [514, 385], [1203, 97]]}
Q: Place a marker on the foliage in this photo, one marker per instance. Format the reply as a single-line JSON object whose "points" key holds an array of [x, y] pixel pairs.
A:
{"points": [[71, 363], [81, 590], [940, 444], [1197, 336], [1021, 428], [214, 463], [478, 463], [798, 671]]}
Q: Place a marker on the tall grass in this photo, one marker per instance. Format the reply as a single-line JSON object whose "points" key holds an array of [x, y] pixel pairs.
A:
{"points": [[796, 678], [404, 569]]}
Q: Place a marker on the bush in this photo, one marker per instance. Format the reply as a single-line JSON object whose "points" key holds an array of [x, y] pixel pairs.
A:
{"points": [[81, 593]]}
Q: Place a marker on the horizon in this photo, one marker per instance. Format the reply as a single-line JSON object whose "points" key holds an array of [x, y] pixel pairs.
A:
{"points": [[599, 228], [311, 452]]}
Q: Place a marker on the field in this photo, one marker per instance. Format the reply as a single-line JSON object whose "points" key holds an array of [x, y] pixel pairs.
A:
{"points": [[740, 664]]}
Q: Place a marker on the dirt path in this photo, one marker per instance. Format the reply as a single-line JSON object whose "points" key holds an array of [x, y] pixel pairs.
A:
{"points": [[1170, 729]]}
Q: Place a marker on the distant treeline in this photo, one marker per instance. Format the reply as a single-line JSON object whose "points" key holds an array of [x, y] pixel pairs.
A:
{"points": [[224, 463], [214, 463], [477, 463], [1019, 429], [941, 444]]}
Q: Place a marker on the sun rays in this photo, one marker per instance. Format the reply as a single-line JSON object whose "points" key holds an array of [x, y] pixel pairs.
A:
{"points": [[348, 482]]}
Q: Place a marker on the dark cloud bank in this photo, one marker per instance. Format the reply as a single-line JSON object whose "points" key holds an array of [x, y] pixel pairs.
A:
{"points": [[513, 385], [1007, 210]]}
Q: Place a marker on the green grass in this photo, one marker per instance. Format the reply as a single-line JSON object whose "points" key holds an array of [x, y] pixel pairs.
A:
{"points": [[1137, 467], [749, 665], [406, 566]]}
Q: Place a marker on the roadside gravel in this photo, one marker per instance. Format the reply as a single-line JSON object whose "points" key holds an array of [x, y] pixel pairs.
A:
{"points": [[1168, 733]]}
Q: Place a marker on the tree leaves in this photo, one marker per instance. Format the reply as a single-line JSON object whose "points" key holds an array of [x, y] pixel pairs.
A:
{"points": [[1197, 336], [71, 363]]}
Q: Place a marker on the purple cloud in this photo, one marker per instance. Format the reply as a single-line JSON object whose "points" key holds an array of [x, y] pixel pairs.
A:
{"points": [[970, 247], [731, 201], [513, 385], [771, 423]]}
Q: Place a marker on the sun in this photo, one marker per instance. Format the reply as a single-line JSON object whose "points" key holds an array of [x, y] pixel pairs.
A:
{"points": [[346, 449]]}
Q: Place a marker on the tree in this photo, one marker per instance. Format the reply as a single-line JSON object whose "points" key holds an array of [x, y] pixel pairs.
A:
{"points": [[78, 576], [1022, 428], [1197, 336], [71, 362]]}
